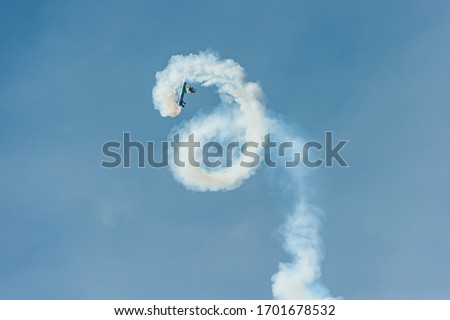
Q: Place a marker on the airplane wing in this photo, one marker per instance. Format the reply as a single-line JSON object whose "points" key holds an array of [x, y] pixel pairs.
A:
{"points": [[180, 100], [185, 88]]}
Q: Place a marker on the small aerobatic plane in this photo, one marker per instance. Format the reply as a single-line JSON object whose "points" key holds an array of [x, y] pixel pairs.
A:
{"points": [[185, 88]]}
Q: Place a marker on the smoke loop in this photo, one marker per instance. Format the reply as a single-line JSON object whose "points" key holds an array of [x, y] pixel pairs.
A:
{"points": [[299, 279]]}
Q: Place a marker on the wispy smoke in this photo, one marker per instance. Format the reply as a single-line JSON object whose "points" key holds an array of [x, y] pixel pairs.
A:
{"points": [[242, 117], [300, 279]]}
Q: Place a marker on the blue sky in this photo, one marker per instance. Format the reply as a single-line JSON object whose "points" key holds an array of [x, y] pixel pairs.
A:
{"points": [[76, 74]]}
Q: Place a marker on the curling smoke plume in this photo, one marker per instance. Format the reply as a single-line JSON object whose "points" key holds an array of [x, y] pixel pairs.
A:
{"points": [[241, 116]]}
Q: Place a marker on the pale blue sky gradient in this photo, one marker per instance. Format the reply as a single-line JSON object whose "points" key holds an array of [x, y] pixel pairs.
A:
{"points": [[76, 74]]}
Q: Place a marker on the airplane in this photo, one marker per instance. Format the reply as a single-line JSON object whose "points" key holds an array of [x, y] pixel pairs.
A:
{"points": [[185, 88]]}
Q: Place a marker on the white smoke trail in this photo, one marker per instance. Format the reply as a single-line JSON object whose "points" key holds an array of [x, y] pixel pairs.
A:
{"points": [[299, 279], [228, 76]]}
